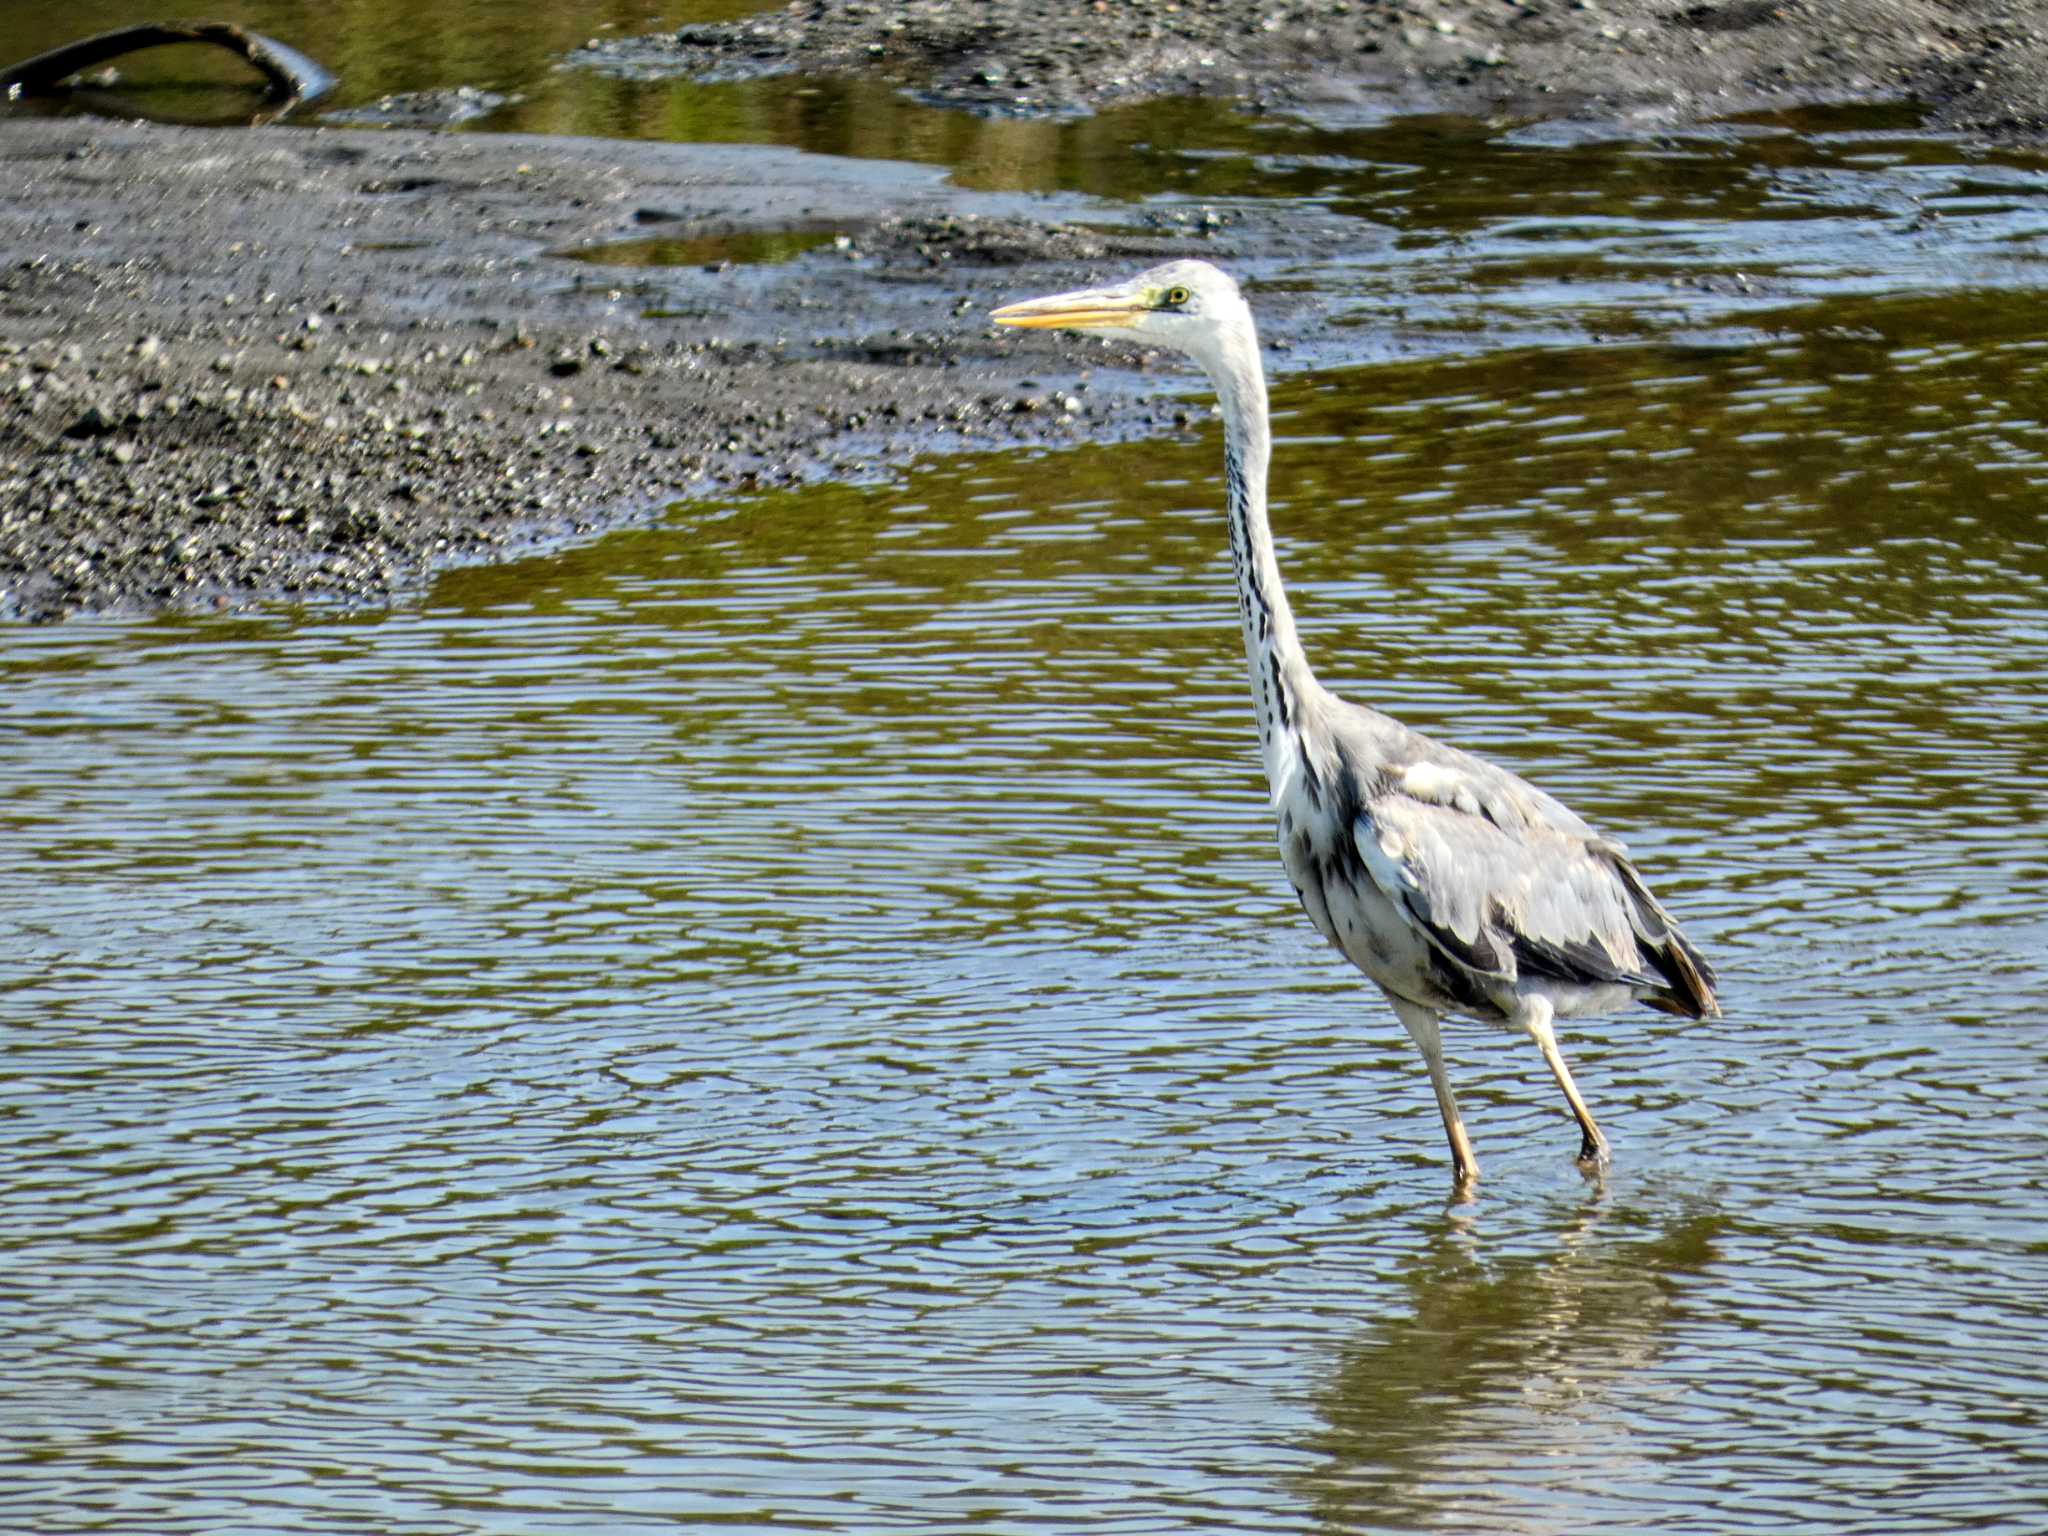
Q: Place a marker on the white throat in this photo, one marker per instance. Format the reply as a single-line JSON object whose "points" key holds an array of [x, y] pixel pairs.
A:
{"points": [[1280, 675]]}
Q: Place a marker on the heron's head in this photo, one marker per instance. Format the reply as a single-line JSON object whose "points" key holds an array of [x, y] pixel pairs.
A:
{"points": [[1189, 306]]}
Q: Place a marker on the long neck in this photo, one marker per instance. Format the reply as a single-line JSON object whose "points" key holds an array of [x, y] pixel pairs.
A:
{"points": [[1280, 674]]}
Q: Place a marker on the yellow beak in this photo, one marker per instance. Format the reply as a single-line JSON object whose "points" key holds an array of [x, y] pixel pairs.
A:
{"points": [[1081, 309]]}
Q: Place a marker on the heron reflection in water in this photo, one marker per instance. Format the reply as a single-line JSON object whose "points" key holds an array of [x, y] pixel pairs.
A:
{"points": [[1452, 883]]}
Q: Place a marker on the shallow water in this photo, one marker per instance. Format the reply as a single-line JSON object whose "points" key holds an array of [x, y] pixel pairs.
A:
{"points": [[791, 1019]]}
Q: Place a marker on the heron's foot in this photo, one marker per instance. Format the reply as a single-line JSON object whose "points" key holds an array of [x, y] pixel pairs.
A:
{"points": [[1593, 1154]]}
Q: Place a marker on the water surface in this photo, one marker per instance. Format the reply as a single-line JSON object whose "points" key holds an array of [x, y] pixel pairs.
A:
{"points": [[790, 1019]]}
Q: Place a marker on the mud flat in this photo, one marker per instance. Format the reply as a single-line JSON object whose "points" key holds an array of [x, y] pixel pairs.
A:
{"points": [[242, 363], [1977, 69]]}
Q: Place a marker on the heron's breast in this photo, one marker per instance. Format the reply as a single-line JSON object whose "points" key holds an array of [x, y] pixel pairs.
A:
{"points": [[1372, 931]]}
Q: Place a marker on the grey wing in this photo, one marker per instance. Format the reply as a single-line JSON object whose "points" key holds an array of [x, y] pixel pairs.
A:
{"points": [[1505, 883]]}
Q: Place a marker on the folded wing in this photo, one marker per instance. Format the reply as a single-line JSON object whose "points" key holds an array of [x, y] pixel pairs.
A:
{"points": [[1506, 883]]}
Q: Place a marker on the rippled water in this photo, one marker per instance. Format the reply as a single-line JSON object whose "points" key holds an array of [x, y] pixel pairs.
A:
{"points": [[791, 1019]]}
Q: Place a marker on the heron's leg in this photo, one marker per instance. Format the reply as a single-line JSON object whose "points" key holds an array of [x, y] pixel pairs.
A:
{"points": [[1536, 1020], [1421, 1025]]}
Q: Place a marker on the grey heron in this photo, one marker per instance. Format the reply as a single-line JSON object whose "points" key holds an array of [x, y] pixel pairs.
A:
{"points": [[1453, 884]]}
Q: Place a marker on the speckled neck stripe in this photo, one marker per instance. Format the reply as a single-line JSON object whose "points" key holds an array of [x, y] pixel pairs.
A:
{"points": [[1254, 606]]}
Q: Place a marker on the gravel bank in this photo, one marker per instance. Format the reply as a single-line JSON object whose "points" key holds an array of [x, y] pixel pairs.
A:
{"points": [[322, 362]]}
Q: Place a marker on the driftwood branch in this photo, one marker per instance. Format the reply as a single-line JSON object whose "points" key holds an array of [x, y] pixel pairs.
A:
{"points": [[291, 75]]}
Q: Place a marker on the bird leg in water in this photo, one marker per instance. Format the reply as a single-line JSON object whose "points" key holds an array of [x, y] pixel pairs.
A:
{"points": [[1592, 1145], [1453, 843], [1422, 1028]]}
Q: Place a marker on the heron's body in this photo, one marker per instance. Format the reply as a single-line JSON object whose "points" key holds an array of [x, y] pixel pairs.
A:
{"points": [[1450, 882], [1453, 884]]}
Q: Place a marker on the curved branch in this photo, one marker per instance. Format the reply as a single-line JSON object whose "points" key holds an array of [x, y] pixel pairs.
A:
{"points": [[291, 75]]}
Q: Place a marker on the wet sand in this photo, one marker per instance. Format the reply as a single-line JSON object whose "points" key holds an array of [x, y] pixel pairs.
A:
{"points": [[242, 363]]}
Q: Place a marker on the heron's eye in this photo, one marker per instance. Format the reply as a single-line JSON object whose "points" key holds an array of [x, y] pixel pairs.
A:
{"points": [[1176, 297]]}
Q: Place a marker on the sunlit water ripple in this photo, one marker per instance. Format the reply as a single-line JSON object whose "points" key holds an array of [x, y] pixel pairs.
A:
{"points": [[791, 1019]]}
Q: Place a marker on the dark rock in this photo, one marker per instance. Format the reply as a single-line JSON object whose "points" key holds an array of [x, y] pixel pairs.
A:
{"points": [[96, 422]]}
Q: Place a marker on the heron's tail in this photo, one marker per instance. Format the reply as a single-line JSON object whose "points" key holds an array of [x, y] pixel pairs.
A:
{"points": [[1671, 954]]}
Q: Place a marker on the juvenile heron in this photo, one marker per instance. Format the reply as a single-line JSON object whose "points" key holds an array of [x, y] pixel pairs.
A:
{"points": [[1453, 884]]}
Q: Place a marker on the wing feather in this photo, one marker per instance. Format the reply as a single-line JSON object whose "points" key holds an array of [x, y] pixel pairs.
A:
{"points": [[1504, 890], [1501, 880], [1487, 897]]}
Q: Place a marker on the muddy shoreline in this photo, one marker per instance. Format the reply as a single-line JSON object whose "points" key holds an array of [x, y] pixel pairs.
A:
{"points": [[1976, 69], [324, 362]]}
